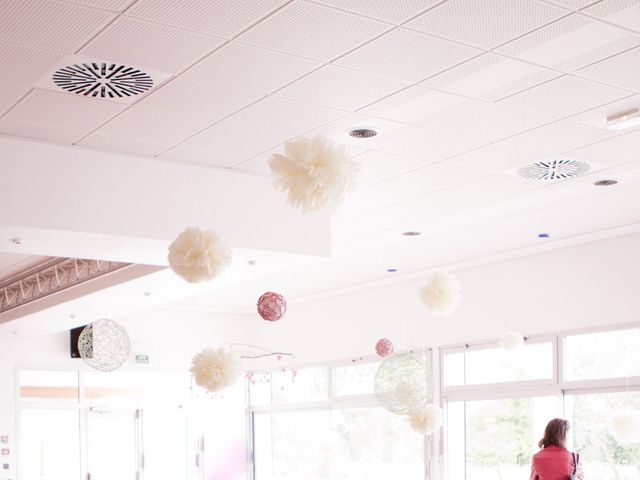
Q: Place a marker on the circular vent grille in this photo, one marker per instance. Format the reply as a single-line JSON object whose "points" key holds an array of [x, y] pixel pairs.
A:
{"points": [[554, 169], [102, 80]]}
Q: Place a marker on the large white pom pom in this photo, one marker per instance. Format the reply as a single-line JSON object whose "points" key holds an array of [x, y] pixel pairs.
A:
{"points": [[428, 420], [441, 293], [314, 173], [625, 426], [512, 341], [198, 255], [215, 370]]}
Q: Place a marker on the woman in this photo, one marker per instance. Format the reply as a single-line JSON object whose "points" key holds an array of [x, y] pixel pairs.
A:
{"points": [[554, 461]]}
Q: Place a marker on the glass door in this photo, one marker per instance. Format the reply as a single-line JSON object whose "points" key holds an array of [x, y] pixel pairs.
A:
{"points": [[166, 444]]}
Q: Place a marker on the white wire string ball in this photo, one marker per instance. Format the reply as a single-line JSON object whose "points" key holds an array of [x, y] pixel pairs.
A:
{"points": [[403, 383], [104, 345]]}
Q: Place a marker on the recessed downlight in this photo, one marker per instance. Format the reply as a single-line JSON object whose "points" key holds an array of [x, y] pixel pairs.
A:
{"points": [[362, 132], [544, 235], [392, 270], [411, 233], [605, 183]]}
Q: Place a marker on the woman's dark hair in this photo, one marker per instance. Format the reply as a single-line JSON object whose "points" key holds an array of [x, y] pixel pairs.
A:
{"points": [[555, 433]]}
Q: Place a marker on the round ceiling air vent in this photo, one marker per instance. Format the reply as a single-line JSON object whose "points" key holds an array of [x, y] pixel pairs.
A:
{"points": [[554, 169], [362, 132], [102, 80]]}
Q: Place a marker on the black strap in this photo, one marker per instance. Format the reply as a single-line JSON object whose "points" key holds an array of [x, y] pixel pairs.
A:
{"points": [[576, 459]]}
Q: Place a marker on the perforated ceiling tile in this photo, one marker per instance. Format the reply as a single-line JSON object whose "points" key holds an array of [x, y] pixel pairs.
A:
{"points": [[565, 96], [573, 4], [341, 88], [215, 17], [9, 96], [614, 151], [622, 70], [501, 20], [494, 122], [144, 130], [188, 97], [394, 11], [252, 68], [150, 45], [56, 26], [490, 77], [68, 115], [313, 31], [382, 165], [23, 66], [114, 5], [494, 158], [559, 137], [430, 145], [625, 13], [597, 117], [407, 55], [202, 157], [571, 43]]}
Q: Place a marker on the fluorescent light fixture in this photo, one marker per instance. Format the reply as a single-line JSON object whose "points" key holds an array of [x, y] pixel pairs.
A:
{"points": [[623, 120]]}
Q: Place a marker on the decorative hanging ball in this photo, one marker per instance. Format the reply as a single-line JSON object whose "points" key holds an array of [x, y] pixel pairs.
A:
{"points": [[215, 369], [427, 420], [197, 255], [441, 293], [104, 345], [272, 306], [625, 426], [403, 383], [384, 347]]}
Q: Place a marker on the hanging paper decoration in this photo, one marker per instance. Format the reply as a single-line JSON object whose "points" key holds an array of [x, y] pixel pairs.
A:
{"points": [[427, 420], [197, 255], [512, 341], [215, 369], [384, 347], [272, 306], [625, 426], [403, 383], [104, 345], [441, 293], [314, 173]]}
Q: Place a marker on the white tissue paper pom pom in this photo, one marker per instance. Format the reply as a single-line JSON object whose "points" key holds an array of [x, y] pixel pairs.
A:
{"points": [[512, 341], [214, 369], [314, 173], [428, 420], [198, 255], [441, 293], [625, 426]]}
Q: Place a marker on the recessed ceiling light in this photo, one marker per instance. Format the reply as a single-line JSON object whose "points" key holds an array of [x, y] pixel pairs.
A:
{"points": [[392, 270], [147, 294], [605, 183], [362, 132], [623, 120], [252, 262], [16, 241], [410, 234], [544, 235]]}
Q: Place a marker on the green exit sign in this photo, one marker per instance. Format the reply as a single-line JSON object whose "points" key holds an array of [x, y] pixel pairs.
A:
{"points": [[142, 358]]}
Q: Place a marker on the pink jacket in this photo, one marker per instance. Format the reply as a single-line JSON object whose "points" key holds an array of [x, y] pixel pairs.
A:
{"points": [[553, 463]]}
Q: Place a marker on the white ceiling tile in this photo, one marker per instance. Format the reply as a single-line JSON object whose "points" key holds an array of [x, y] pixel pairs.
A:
{"points": [[632, 167], [382, 165], [341, 88], [490, 77], [57, 116], [394, 11], [571, 43], [573, 4], [252, 68], [559, 137], [313, 31], [149, 45], [420, 105], [494, 158], [214, 17], [597, 117], [494, 122], [565, 96], [622, 70], [23, 66], [187, 97], [614, 151], [145, 131], [201, 157], [501, 20], [50, 25], [261, 126], [430, 145], [113, 5], [625, 13], [407, 55], [9, 95]]}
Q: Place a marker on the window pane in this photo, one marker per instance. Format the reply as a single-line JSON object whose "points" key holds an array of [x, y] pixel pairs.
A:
{"points": [[346, 444], [494, 439], [603, 457], [304, 385], [49, 444], [49, 385], [354, 379], [496, 365], [602, 355]]}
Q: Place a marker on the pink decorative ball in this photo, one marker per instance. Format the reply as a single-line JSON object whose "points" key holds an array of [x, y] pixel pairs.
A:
{"points": [[272, 306], [384, 347]]}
